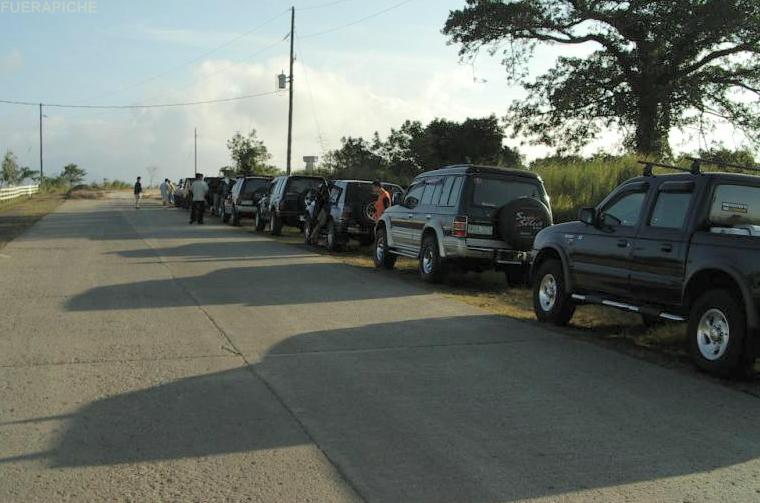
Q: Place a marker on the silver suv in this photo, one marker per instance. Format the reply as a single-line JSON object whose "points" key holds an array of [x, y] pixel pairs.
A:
{"points": [[473, 218]]}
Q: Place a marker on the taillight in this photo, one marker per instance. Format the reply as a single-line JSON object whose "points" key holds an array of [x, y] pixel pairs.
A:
{"points": [[459, 228]]}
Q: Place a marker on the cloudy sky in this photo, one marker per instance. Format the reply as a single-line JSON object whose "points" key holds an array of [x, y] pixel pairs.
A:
{"points": [[353, 76]]}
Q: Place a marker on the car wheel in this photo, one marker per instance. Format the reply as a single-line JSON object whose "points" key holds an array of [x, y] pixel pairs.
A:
{"points": [[382, 257], [235, 217], [551, 302], [432, 266], [275, 225], [717, 332], [333, 239]]}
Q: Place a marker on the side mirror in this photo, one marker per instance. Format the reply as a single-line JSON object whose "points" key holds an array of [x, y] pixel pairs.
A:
{"points": [[588, 216], [411, 202]]}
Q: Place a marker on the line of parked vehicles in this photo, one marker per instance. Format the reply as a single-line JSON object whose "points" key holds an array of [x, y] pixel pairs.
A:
{"points": [[677, 247]]}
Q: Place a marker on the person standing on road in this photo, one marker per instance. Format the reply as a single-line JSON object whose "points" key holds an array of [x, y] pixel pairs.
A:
{"points": [[171, 189], [165, 192], [321, 212], [383, 201], [138, 192], [198, 190]]}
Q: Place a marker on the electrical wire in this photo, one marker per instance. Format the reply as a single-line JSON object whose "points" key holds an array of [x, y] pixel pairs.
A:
{"points": [[136, 107], [197, 58], [366, 18]]}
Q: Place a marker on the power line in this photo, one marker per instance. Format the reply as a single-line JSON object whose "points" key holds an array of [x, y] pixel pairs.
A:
{"points": [[132, 107], [366, 18], [199, 57]]}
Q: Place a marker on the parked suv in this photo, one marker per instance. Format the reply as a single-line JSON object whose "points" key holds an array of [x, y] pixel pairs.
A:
{"points": [[286, 202], [352, 211], [471, 217], [244, 197], [681, 247]]}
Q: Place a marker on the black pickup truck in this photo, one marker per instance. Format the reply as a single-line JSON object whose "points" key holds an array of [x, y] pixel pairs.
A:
{"points": [[679, 247]]}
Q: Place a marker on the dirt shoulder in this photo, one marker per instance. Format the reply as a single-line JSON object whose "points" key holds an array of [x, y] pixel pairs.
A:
{"points": [[17, 216]]}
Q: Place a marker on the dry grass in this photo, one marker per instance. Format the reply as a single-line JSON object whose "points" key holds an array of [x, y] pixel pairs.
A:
{"points": [[19, 215]]}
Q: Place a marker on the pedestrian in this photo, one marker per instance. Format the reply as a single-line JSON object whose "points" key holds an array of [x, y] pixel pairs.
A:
{"points": [[138, 192], [172, 189], [383, 201], [321, 212], [165, 192], [198, 190], [221, 193]]}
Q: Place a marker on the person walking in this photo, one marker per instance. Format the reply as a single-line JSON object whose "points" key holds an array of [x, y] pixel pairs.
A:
{"points": [[164, 188], [198, 190], [138, 192], [383, 201]]}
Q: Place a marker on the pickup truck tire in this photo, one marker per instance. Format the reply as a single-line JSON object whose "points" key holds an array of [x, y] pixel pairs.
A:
{"points": [[383, 258], [717, 334], [551, 302], [260, 222], [432, 265]]}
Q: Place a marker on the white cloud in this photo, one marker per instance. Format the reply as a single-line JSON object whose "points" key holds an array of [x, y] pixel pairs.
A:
{"points": [[11, 62]]}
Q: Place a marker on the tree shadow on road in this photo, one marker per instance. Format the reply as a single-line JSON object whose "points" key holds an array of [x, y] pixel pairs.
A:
{"points": [[418, 411]]}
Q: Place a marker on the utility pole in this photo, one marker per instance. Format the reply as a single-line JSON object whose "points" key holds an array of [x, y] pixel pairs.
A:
{"points": [[195, 149], [42, 174], [290, 108]]}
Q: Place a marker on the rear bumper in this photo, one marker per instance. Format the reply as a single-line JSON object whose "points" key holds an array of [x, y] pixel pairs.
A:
{"points": [[485, 250]]}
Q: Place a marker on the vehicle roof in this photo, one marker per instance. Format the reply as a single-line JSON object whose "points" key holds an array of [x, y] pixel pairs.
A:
{"points": [[734, 177], [471, 169], [259, 177]]}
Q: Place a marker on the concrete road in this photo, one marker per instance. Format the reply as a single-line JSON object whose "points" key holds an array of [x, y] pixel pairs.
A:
{"points": [[142, 359]]}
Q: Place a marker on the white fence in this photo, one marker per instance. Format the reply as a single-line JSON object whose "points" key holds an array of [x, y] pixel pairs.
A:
{"points": [[14, 192]]}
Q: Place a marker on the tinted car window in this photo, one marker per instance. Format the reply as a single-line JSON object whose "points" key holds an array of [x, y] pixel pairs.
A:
{"points": [[446, 191], [301, 185], [493, 192], [359, 193], [253, 186], [427, 196], [456, 189], [735, 205], [670, 210], [625, 211]]}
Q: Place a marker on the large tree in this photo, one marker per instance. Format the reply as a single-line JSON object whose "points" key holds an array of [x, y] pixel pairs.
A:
{"points": [[250, 154], [10, 169], [72, 174], [657, 65]]}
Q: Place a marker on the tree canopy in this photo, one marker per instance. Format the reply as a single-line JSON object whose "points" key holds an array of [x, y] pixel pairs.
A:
{"points": [[72, 174], [658, 65], [414, 148], [250, 155]]}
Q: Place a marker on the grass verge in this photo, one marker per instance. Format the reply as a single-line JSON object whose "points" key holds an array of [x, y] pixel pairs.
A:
{"points": [[19, 215]]}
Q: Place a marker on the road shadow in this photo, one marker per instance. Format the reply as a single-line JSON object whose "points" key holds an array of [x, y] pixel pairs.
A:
{"points": [[266, 285], [432, 420], [221, 249]]}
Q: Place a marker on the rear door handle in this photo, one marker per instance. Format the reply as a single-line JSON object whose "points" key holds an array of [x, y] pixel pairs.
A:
{"points": [[666, 247], [623, 243]]}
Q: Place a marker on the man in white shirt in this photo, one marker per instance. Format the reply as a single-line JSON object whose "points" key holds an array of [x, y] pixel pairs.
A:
{"points": [[198, 189]]}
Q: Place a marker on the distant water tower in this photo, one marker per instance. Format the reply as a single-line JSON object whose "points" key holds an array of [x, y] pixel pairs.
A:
{"points": [[311, 162]]}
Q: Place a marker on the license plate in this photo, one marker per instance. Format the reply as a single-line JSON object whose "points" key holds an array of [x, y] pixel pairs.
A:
{"points": [[480, 230]]}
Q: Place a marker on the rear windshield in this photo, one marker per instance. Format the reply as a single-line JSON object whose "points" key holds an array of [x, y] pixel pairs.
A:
{"points": [[301, 185], [359, 193], [252, 186], [493, 192]]}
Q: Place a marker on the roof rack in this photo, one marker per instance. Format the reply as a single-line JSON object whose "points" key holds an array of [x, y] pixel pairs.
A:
{"points": [[650, 165], [697, 161]]}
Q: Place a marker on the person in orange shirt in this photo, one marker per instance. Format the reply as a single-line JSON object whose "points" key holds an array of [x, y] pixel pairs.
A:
{"points": [[383, 201]]}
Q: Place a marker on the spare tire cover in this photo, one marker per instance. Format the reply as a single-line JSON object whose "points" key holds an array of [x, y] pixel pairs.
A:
{"points": [[519, 222]]}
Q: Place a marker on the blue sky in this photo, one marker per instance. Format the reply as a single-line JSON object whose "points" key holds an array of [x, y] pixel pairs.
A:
{"points": [[353, 81]]}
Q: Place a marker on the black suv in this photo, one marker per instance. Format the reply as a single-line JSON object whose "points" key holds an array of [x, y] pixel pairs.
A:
{"points": [[285, 202], [472, 217], [680, 247], [244, 197], [352, 210]]}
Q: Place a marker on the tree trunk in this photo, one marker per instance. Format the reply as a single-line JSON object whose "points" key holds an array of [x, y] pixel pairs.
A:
{"points": [[649, 138]]}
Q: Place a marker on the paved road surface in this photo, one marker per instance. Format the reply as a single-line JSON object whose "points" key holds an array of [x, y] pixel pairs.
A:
{"points": [[143, 359]]}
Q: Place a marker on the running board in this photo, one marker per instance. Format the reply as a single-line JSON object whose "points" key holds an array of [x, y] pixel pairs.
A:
{"points": [[590, 299], [412, 255]]}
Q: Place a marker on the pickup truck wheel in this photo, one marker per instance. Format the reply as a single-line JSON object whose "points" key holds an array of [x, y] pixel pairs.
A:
{"points": [[383, 258], [275, 224], [551, 302], [260, 223], [716, 334], [432, 266]]}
